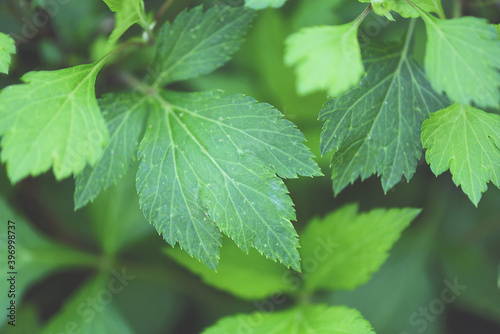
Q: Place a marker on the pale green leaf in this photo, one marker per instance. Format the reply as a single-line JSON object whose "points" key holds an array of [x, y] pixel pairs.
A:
{"points": [[90, 311], [209, 165], [249, 276], [313, 319], [36, 256], [465, 140], [325, 58], [462, 59], [261, 4], [125, 114], [53, 119], [7, 47], [347, 247], [375, 127], [198, 42], [128, 13], [404, 9]]}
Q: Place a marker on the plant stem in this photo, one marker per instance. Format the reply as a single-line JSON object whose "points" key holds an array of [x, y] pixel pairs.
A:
{"points": [[163, 9], [361, 17]]}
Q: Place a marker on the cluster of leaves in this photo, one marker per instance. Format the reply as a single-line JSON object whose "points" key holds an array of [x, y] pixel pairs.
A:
{"points": [[212, 164], [380, 113], [341, 252], [209, 162]]}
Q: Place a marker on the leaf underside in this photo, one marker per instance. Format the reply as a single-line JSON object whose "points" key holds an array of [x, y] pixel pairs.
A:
{"points": [[375, 127]]}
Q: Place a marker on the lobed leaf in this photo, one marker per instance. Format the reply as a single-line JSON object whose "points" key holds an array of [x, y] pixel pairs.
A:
{"points": [[325, 58], [465, 140], [375, 127], [209, 164], [125, 114], [53, 119], [320, 319], [462, 59], [198, 42], [348, 247], [7, 47]]}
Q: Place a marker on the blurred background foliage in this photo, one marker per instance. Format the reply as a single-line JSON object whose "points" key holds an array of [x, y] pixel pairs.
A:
{"points": [[451, 239]]}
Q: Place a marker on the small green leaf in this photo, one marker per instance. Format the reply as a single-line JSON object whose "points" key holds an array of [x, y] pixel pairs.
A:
{"points": [[248, 276], [7, 47], [326, 57], [465, 140], [319, 319], [90, 311], [404, 9], [125, 114], [198, 42], [261, 4], [209, 164], [53, 119], [462, 59], [128, 13], [348, 247], [375, 127]]}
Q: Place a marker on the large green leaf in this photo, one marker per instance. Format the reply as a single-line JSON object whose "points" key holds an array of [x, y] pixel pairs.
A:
{"points": [[7, 47], [325, 58], [91, 310], [317, 319], [465, 140], [125, 114], [375, 127], [250, 276], [261, 4], [198, 42], [53, 119], [344, 249], [462, 59], [209, 164]]}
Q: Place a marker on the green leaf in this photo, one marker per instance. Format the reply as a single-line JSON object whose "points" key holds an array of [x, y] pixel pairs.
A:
{"points": [[7, 47], [465, 140], [462, 59], [261, 4], [128, 13], [319, 319], [125, 114], [35, 257], [249, 276], [375, 127], [404, 9], [348, 247], [209, 164], [52, 120], [325, 57], [90, 310], [198, 42]]}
